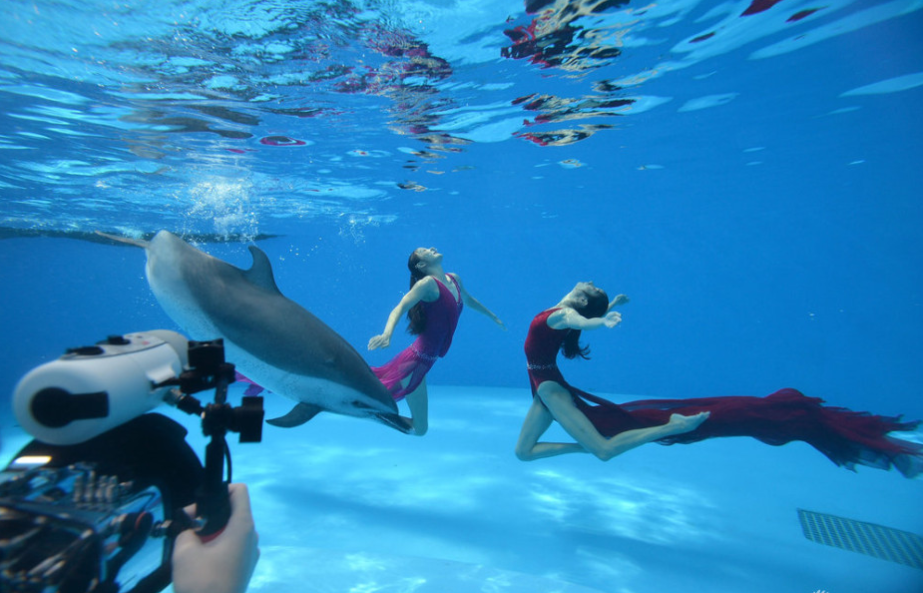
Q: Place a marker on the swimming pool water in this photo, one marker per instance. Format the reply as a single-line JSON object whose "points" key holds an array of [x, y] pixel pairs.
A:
{"points": [[745, 171]]}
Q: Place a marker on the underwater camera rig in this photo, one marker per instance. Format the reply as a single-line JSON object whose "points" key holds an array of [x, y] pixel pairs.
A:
{"points": [[94, 503]]}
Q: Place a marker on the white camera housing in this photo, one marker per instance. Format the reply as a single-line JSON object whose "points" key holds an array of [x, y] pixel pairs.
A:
{"points": [[92, 389]]}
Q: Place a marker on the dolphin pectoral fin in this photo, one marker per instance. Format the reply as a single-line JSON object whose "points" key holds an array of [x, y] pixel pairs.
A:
{"points": [[117, 239], [298, 415]]}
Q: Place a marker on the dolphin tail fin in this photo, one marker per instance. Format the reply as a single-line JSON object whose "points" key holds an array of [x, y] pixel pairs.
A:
{"points": [[127, 240], [298, 415]]}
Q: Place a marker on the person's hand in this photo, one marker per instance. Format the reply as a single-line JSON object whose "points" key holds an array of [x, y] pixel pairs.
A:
{"points": [[612, 319], [223, 564], [381, 341], [619, 299]]}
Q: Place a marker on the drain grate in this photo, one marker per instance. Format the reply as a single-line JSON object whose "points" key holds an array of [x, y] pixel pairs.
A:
{"points": [[882, 542]]}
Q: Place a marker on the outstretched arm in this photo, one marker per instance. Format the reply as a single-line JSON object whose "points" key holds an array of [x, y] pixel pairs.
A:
{"points": [[568, 318], [620, 299], [476, 305], [419, 292]]}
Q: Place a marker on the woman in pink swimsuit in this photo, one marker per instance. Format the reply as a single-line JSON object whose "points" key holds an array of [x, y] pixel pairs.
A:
{"points": [[433, 305], [606, 429]]}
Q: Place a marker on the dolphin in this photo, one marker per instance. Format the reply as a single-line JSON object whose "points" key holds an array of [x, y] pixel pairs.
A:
{"points": [[274, 341]]}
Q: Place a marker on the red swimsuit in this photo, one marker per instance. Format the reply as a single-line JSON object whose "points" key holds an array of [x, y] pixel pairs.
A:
{"points": [[844, 436]]}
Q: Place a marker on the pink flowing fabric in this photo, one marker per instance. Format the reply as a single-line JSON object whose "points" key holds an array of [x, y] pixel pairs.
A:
{"points": [[412, 364], [404, 373], [846, 437], [252, 388]]}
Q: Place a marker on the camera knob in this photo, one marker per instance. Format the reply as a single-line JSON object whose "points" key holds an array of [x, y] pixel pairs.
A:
{"points": [[85, 351]]}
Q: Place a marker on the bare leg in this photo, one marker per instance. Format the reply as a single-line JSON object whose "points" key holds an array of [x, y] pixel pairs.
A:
{"points": [[537, 421], [560, 404], [418, 402]]}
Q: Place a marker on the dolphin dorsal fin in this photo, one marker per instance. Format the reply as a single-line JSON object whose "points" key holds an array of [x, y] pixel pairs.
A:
{"points": [[260, 273]]}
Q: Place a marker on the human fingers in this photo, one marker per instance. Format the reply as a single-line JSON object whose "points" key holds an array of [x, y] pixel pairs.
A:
{"points": [[613, 318], [240, 500], [618, 300]]}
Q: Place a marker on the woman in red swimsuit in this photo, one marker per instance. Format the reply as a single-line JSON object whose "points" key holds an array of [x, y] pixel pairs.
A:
{"points": [[606, 429], [433, 305]]}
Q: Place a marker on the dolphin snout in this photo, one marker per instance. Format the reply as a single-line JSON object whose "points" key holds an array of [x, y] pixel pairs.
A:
{"points": [[396, 422]]}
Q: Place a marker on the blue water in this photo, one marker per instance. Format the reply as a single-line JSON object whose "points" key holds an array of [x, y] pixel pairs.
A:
{"points": [[748, 174]]}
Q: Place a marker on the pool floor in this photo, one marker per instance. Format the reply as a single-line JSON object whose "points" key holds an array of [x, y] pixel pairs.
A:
{"points": [[346, 505]]}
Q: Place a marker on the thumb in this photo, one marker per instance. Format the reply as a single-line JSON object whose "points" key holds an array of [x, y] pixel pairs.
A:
{"points": [[186, 540]]}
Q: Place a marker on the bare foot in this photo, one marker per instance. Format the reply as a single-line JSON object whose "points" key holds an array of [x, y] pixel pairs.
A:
{"points": [[682, 424]]}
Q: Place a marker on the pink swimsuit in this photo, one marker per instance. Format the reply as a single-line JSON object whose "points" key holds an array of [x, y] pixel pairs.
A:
{"points": [[417, 359]]}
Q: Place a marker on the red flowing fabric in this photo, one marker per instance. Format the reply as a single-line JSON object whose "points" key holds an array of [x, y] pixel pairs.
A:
{"points": [[846, 437], [404, 373]]}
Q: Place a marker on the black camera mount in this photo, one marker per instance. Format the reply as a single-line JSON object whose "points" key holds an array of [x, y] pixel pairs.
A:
{"points": [[208, 370]]}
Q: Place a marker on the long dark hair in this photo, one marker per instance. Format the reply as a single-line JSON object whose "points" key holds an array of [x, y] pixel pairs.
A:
{"points": [[416, 315], [597, 305]]}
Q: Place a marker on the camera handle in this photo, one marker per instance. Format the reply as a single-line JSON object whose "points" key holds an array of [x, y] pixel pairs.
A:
{"points": [[213, 503]]}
